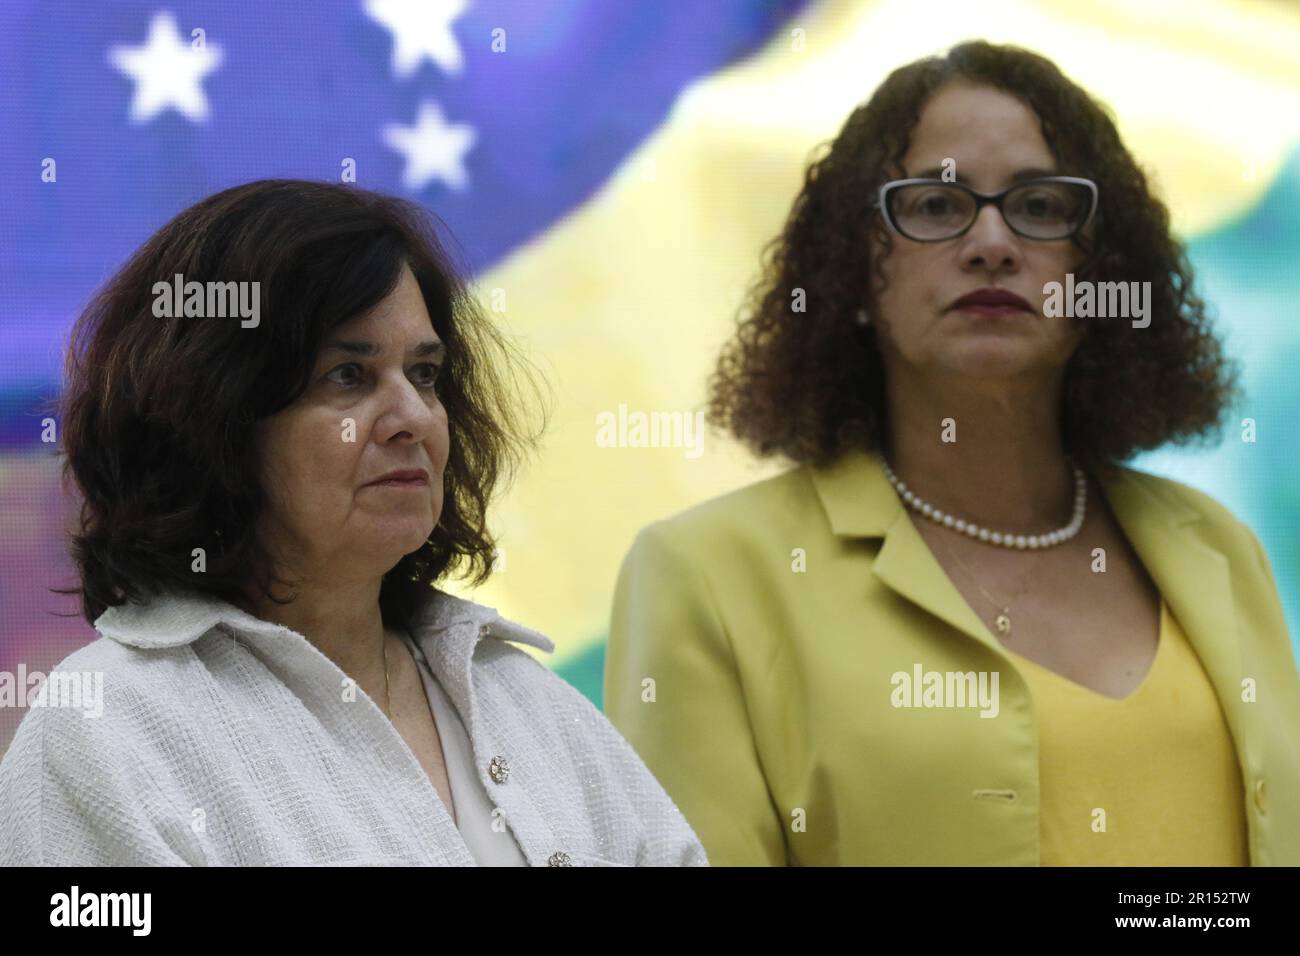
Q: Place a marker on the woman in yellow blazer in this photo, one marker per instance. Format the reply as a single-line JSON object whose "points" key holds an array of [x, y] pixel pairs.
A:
{"points": [[959, 631]]}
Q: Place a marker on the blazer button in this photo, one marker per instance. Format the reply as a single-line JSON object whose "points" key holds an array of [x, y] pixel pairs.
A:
{"points": [[559, 858], [1259, 796], [484, 630], [499, 770]]}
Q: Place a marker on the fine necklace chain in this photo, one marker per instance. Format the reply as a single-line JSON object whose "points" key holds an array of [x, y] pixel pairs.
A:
{"points": [[1002, 622], [1002, 539]]}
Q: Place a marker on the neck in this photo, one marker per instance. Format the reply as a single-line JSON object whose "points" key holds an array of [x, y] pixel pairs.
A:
{"points": [[1006, 468], [340, 618]]}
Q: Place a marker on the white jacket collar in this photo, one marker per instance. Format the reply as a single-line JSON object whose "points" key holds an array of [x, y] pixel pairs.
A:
{"points": [[177, 618]]}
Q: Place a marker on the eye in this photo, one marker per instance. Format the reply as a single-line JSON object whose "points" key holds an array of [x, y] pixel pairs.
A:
{"points": [[353, 366], [1042, 203], [935, 205], [429, 376], [931, 203]]}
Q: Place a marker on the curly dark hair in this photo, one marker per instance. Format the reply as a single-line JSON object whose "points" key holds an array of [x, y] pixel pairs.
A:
{"points": [[809, 385], [158, 413]]}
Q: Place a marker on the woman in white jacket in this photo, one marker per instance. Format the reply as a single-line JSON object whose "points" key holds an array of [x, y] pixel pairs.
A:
{"points": [[271, 492]]}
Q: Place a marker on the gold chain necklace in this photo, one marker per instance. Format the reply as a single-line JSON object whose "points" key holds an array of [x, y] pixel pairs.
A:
{"points": [[1003, 619]]}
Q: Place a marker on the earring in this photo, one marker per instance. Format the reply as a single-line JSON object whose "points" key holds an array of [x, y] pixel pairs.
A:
{"points": [[863, 317]]}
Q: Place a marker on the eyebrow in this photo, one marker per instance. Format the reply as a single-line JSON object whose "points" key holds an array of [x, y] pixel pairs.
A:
{"points": [[1020, 176], [370, 349]]}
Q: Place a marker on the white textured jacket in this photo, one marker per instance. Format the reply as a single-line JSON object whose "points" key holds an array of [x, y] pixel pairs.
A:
{"points": [[227, 740]]}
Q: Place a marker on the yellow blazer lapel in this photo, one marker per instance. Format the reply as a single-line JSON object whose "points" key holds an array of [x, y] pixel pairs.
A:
{"points": [[860, 502], [1193, 579]]}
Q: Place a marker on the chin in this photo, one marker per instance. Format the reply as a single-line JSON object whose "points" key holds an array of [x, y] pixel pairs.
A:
{"points": [[1000, 357], [400, 537]]}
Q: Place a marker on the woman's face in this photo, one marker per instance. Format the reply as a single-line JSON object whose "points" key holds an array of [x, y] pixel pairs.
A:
{"points": [[992, 136], [369, 410]]}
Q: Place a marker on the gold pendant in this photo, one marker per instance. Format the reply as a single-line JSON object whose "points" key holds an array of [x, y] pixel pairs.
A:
{"points": [[1003, 622]]}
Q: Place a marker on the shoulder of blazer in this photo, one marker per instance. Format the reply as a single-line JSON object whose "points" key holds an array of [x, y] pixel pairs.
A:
{"points": [[731, 520], [1193, 512], [1187, 505]]}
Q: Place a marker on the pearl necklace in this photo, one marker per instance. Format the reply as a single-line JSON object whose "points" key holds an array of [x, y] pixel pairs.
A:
{"points": [[1020, 541]]}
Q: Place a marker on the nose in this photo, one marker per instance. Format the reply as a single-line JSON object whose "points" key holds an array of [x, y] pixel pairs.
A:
{"points": [[990, 243], [409, 413]]}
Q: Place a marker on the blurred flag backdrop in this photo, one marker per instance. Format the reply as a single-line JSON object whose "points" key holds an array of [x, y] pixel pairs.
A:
{"points": [[611, 171]]}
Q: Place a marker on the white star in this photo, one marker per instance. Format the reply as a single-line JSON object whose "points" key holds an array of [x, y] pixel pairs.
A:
{"points": [[432, 149], [167, 72], [420, 28]]}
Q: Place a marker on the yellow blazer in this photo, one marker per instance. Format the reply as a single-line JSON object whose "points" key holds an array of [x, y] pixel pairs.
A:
{"points": [[761, 697]]}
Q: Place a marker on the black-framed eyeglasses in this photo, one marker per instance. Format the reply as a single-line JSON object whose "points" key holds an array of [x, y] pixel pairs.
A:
{"points": [[931, 210]]}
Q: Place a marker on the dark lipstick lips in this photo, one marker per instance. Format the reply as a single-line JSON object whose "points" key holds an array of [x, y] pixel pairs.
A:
{"points": [[992, 298]]}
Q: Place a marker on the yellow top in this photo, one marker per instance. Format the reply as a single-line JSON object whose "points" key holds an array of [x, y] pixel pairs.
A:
{"points": [[1148, 780]]}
